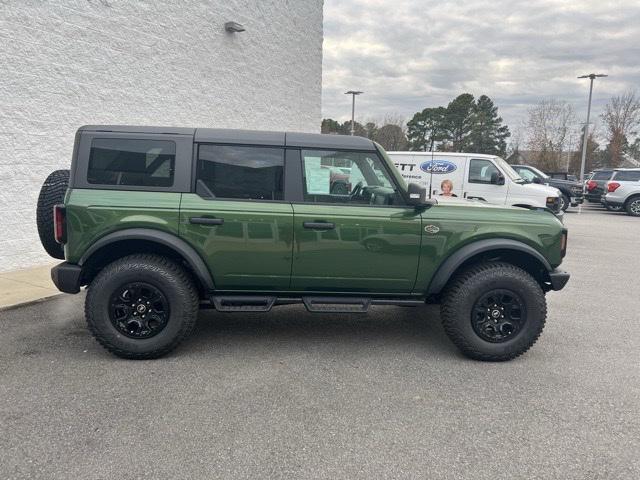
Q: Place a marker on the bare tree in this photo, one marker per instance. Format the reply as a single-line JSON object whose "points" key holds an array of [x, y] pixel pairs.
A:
{"points": [[621, 117], [392, 133], [549, 126], [515, 142]]}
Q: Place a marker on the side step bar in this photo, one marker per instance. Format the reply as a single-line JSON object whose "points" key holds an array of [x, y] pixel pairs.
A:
{"points": [[243, 303], [336, 304], [314, 304]]}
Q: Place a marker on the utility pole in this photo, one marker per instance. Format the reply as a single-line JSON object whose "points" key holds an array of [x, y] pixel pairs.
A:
{"points": [[592, 77], [353, 94]]}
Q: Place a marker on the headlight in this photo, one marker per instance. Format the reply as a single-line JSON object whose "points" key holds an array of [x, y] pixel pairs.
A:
{"points": [[553, 203]]}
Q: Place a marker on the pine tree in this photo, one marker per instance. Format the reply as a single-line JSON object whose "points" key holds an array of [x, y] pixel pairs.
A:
{"points": [[459, 120], [487, 134], [427, 128]]}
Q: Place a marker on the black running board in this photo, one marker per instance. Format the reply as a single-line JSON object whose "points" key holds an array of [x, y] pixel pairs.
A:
{"points": [[314, 304], [336, 304], [243, 303]]}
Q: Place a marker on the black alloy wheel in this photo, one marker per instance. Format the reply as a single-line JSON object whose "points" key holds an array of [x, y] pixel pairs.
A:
{"points": [[498, 316], [139, 310]]}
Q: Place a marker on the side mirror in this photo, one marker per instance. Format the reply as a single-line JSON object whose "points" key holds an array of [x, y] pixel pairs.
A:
{"points": [[497, 179], [537, 180], [417, 194]]}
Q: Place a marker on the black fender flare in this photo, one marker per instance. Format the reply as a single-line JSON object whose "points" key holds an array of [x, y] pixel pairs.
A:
{"points": [[453, 262], [167, 239]]}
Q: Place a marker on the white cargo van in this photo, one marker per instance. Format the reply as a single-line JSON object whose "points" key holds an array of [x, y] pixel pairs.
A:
{"points": [[474, 176]]}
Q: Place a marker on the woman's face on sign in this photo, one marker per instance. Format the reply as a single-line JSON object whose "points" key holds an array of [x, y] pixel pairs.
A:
{"points": [[446, 188]]}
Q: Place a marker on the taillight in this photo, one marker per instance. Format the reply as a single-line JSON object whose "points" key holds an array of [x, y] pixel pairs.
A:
{"points": [[612, 186], [563, 243], [591, 184], [60, 223]]}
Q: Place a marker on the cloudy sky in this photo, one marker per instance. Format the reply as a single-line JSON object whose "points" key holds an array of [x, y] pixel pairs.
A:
{"points": [[410, 54]]}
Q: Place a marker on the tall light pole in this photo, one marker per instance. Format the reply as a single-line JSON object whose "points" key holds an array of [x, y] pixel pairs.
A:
{"points": [[591, 76], [353, 94]]}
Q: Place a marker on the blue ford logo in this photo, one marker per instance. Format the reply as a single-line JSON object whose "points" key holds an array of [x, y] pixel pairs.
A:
{"points": [[438, 166]]}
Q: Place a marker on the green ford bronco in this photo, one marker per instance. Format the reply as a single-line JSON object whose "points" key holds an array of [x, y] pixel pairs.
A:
{"points": [[158, 222]]}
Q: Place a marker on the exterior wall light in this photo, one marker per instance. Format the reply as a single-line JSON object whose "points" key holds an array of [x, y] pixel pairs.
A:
{"points": [[233, 27]]}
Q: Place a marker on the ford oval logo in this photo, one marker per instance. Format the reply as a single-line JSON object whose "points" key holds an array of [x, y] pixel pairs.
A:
{"points": [[438, 166]]}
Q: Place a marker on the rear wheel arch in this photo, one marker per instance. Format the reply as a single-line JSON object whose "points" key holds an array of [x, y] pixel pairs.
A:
{"points": [[631, 198], [505, 250], [119, 244]]}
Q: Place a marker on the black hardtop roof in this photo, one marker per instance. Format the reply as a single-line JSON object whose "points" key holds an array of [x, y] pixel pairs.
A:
{"points": [[248, 137]]}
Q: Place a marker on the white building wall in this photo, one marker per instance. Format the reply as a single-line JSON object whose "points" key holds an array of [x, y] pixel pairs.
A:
{"points": [[67, 63]]}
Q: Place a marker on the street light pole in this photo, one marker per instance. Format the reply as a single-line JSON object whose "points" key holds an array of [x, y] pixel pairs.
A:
{"points": [[592, 77], [353, 94]]}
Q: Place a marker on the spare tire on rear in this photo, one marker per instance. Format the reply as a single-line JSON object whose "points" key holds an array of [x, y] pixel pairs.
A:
{"points": [[52, 192]]}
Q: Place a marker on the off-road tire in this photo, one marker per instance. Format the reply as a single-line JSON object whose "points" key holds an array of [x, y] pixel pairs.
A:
{"points": [[468, 286], [565, 202], [52, 192], [164, 274], [633, 207]]}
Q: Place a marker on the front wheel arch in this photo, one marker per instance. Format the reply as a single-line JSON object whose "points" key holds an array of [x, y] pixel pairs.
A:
{"points": [[505, 250]]}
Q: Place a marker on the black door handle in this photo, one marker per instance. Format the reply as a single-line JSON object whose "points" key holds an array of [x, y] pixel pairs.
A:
{"points": [[319, 225], [206, 221]]}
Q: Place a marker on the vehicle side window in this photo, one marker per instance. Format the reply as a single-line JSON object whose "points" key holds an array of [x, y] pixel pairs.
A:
{"points": [[628, 176], [481, 171], [527, 174], [247, 173], [601, 175], [347, 178], [148, 163]]}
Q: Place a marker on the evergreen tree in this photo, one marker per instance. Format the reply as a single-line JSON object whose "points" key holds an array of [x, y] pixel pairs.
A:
{"points": [[459, 121], [426, 128], [487, 134], [330, 125]]}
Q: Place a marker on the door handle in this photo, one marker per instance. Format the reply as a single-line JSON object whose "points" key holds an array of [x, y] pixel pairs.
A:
{"points": [[206, 221], [319, 225]]}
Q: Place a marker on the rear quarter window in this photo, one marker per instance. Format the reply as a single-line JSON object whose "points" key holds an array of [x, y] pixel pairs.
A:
{"points": [[145, 163], [627, 176], [601, 176]]}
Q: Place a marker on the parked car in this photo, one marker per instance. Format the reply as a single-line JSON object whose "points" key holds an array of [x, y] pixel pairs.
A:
{"points": [[475, 176], [595, 186], [623, 191], [158, 222], [571, 190]]}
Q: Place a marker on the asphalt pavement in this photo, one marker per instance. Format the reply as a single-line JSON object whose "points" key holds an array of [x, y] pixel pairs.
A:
{"points": [[294, 395]]}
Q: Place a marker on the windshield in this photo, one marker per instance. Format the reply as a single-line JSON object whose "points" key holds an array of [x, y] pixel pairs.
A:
{"points": [[395, 172], [509, 171], [539, 173]]}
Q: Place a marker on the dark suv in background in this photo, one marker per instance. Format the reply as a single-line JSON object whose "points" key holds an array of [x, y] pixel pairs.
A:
{"points": [[595, 187], [571, 192]]}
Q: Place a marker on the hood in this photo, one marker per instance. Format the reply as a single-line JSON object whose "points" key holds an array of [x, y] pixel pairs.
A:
{"points": [[473, 203], [542, 190], [476, 207], [565, 183]]}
